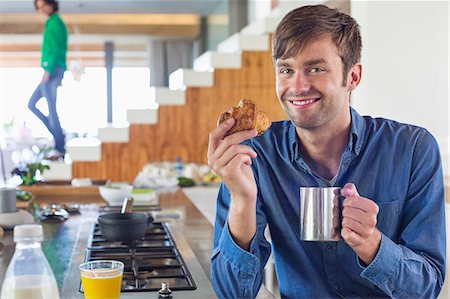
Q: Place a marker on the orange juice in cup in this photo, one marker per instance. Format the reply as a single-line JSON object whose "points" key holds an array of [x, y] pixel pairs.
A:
{"points": [[101, 279]]}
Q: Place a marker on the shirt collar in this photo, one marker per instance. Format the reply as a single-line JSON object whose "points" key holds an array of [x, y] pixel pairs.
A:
{"points": [[357, 133], [293, 142]]}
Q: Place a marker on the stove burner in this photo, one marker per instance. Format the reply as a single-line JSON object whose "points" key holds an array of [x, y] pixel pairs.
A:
{"points": [[149, 262]]}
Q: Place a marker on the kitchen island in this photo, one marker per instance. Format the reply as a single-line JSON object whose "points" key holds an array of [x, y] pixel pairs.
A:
{"points": [[64, 245]]}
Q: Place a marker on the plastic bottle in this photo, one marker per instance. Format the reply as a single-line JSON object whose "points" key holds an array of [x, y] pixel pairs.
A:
{"points": [[29, 274], [179, 166]]}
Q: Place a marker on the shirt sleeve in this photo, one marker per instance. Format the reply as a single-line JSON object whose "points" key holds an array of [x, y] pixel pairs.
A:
{"points": [[235, 272], [414, 267]]}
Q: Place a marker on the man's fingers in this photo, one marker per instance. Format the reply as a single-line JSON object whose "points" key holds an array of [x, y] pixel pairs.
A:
{"points": [[232, 140], [354, 213], [357, 227], [361, 203], [367, 219], [351, 237], [216, 136], [238, 161], [238, 149], [222, 159], [349, 190]]}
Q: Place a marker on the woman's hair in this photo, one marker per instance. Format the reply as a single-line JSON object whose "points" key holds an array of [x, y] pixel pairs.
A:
{"points": [[305, 24], [53, 3]]}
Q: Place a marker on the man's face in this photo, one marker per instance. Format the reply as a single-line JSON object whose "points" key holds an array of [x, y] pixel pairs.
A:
{"points": [[310, 86], [44, 8]]}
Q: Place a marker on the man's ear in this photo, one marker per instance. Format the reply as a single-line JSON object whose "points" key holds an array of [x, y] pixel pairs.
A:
{"points": [[354, 76]]}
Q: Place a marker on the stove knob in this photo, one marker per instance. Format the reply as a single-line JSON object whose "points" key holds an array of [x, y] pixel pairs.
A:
{"points": [[165, 292]]}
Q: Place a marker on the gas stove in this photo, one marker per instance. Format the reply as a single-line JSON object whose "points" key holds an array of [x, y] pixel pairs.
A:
{"points": [[150, 262], [162, 258]]}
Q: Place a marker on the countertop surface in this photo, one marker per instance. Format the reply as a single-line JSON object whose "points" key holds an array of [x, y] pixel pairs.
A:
{"points": [[60, 238]]}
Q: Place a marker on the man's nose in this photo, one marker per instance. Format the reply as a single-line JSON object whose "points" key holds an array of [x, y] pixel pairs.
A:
{"points": [[301, 82]]}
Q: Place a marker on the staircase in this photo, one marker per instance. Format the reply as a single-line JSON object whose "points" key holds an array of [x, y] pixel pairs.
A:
{"points": [[178, 119]]}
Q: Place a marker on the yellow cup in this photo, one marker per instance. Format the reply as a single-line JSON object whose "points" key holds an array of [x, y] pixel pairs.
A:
{"points": [[101, 279]]}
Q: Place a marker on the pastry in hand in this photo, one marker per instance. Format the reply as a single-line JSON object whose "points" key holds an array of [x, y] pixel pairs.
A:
{"points": [[247, 117]]}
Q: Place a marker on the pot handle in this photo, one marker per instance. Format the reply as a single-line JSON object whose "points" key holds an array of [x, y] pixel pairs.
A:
{"points": [[127, 205], [150, 219]]}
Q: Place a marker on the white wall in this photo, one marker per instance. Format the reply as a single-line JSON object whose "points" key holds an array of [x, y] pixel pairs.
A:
{"points": [[405, 60], [258, 9], [405, 64]]}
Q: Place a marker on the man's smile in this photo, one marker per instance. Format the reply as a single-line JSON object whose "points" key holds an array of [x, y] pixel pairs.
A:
{"points": [[304, 103]]}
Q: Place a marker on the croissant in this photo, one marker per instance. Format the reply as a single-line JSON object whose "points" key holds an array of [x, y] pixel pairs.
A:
{"points": [[247, 117]]}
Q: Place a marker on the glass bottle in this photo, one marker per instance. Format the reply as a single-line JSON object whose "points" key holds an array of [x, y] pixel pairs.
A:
{"points": [[29, 274]]}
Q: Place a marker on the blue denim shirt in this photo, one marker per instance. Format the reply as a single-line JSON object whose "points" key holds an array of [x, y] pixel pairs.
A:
{"points": [[396, 165]]}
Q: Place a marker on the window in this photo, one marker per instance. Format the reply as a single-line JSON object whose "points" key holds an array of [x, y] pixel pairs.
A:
{"points": [[81, 105]]}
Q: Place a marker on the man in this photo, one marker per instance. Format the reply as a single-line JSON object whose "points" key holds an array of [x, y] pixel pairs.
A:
{"points": [[393, 225], [53, 61]]}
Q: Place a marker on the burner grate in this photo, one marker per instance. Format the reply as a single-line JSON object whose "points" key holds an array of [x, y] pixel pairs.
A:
{"points": [[149, 261]]}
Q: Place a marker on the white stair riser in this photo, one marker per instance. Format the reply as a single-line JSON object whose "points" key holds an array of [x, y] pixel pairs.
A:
{"points": [[114, 134], [243, 42], [142, 116], [182, 78], [167, 96], [264, 26], [84, 149], [58, 171], [86, 154], [214, 60]]}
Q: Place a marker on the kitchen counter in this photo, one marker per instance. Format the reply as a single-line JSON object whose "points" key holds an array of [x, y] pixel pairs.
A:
{"points": [[192, 232]]}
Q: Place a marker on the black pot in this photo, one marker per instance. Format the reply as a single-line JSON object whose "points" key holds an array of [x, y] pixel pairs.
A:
{"points": [[124, 227]]}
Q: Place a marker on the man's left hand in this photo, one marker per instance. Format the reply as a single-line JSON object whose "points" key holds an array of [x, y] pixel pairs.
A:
{"points": [[45, 77], [359, 219]]}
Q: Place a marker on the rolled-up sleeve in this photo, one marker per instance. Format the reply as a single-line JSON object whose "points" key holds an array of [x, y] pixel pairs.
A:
{"points": [[414, 267], [235, 272]]}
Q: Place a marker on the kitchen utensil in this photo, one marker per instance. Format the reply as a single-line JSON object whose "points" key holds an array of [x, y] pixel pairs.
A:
{"points": [[54, 213], [7, 200], [124, 226], [127, 205], [320, 211]]}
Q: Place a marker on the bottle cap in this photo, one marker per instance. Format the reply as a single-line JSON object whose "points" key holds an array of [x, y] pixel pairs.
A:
{"points": [[28, 232]]}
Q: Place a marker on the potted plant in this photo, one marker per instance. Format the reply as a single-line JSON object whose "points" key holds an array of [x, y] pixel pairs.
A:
{"points": [[30, 164]]}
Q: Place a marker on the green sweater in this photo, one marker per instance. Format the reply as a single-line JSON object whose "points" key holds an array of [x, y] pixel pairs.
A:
{"points": [[54, 46]]}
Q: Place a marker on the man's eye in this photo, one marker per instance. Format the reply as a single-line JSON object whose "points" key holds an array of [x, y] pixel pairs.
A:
{"points": [[315, 70], [285, 71]]}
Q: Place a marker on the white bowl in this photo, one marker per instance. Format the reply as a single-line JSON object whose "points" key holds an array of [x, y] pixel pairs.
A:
{"points": [[115, 194], [9, 220]]}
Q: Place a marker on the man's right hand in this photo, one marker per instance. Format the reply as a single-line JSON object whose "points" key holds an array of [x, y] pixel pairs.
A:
{"points": [[231, 161]]}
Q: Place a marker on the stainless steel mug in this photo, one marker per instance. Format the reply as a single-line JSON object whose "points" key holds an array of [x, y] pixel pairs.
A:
{"points": [[320, 214], [7, 200]]}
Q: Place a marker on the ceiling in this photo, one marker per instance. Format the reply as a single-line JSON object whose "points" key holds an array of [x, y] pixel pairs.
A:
{"points": [[129, 24], [198, 7]]}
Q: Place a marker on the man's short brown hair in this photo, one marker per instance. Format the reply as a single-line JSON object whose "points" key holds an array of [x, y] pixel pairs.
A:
{"points": [[53, 3], [307, 23]]}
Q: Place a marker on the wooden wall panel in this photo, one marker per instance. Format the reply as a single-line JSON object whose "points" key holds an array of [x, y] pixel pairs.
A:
{"points": [[184, 130], [114, 163], [257, 70]]}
